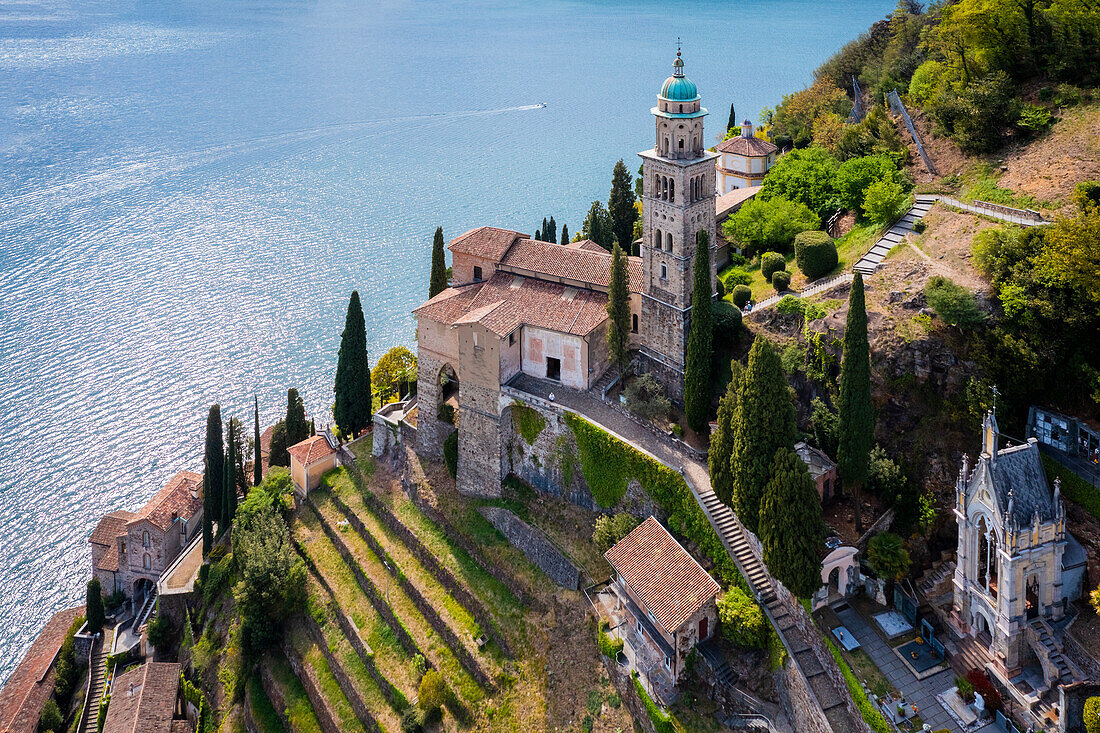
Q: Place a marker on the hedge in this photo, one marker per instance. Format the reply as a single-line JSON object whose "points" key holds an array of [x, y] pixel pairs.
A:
{"points": [[771, 262], [609, 646], [781, 280], [871, 715], [815, 254], [1074, 488], [741, 295], [726, 321], [661, 720]]}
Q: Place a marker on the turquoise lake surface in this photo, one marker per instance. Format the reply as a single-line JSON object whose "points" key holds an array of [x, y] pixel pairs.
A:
{"points": [[189, 191]]}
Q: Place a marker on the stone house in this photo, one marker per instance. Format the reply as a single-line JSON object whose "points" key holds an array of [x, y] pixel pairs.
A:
{"points": [[744, 160], [1018, 568], [32, 683], [130, 551], [822, 469], [670, 600], [148, 699], [313, 458]]}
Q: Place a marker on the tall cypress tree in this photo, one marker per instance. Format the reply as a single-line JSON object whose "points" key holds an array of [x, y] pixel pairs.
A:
{"points": [[553, 232], [354, 407], [93, 606], [545, 231], [621, 206], [257, 453], [618, 308], [278, 455], [538, 235], [438, 282], [857, 419], [564, 234], [791, 530], [765, 422], [297, 428], [212, 477], [721, 440], [732, 123], [229, 484], [700, 338]]}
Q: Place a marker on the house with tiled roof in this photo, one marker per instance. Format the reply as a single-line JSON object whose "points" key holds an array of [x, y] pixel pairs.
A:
{"points": [[670, 601], [130, 550], [148, 699], [32, 683], [313, 458], [744, 160]]}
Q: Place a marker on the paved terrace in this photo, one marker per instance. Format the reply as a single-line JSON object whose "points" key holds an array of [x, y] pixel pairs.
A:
{"points": [[799, 636]]}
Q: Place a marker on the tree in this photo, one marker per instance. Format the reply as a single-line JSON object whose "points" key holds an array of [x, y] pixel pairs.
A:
{"points": [[1091, 715], [884, 201], [791, 529], [826, 426], [768, 225], [732, 121], [726, 322], [538, 235], [432, 692], [544, 232], [552, 232], [257, 448], [354, 407], [815, 254], [610, 529], [805, 177], [393, 372], [564, 234], [954, 304], [212, 477], [743, 621], [93, 604], [229, 485], [278, 455], [700, 340], [888, 557], [618, 308], [765, 422], [857, 420], [854, 176], [297, 427], [620, 206], [438, 281], [598, 226], [235, 429], [51, 719], [721, 440]]}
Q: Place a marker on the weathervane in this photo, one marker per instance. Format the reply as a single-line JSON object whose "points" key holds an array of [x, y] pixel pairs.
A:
{"points": [[995, 392]]}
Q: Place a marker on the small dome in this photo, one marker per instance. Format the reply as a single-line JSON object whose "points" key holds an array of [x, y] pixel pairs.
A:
{"points": [[678, 88]]}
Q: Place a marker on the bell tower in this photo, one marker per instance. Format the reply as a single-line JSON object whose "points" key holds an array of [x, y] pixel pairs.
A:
{"points": [[677, 202]]}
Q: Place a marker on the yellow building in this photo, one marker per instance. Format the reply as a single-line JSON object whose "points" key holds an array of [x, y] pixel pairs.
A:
{"points": [[743, 160], [311, 459]]}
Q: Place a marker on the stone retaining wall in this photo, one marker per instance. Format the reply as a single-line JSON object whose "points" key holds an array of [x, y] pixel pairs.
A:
{"points": [[274, 693], [324, 714], [358, 705], [624, 683], [535, 545], [795, 693]]}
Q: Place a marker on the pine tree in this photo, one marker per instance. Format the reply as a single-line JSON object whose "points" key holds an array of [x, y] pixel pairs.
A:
{"points": [[621, 206], [764, 423], [212, 477], [564, 234], [438, 282], [354, 405], [93, 606], [257, 453], [791, 529], [721, 440], [618, 308], [732, 123], [278, 455], [700, 338], [857, 420], [229, 484], [312, 427], [597, 226], [553, 232]]}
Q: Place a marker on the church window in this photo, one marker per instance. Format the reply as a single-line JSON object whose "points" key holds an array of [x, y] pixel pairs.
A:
{"points": [[681, 109], [145, 539], [146, 561], [668, 241], [664, 271], [512, 338], [477, 274], [671, 190], [634, 323], [681, 143], [657, 238]]}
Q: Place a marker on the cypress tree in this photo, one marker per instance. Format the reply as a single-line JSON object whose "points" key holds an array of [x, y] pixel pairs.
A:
{"points": [[700, 337], [354, 406], [538, 236], [229, 484], [438, 282], [278, 455], [93, 607], [721, 440], [312, 428], [764, 423], [618, 308], [732, 123], [212, 477], [564, 234], [257, 454], [297, 429], [621, 206], [553, 232], [545, 231], [857, 420], [791, 530]]}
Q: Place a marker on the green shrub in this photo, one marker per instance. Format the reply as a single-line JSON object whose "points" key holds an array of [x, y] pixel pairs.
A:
{"points": [[446, 413], [51, 718], [954, 304], [719, 288], [781, 280], [412, 721], [645, 397], [770, 263], [743, 621], [815, 254], [870, 713], [741, 295], [419, 666], [801, 306], [529, 421], [725, 321], [610, 646], [1033, 119], [1074, 488], [160, 631], [1086, 194], [610, 529], [919, 226], [450, 453], [965, 688], [884, 202], [759, 225], [432, 692], [661, 720], [1091, 715], [734, 278]]}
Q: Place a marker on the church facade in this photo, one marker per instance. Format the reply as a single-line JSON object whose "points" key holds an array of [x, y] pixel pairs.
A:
{"points": [[518, 307]]}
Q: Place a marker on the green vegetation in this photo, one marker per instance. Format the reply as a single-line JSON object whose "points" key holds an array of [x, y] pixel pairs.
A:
{"points": [[94, 606], [954, 304], [700, 340], [229, 480], [805, 177], [297, 428], [645, 397], [870, 713], [721, 440], [393, 373], [768, 224], [887, 556], [1091, 715], [263, 712], [257, 454], [743, 621], [212, 477], [764, 423], [279, 455], [727, 320], [1074, 488], [299, 711], [618, 304], [815, 254], [620, 206], [885, 201], [771, 263], [609, 646], [610, 529], [791, 528], [781, 280], [662, 721], [353, 407], [598, 226], [51, 718], [529, 421], [437, 282], [857, 420], [740, 295]]}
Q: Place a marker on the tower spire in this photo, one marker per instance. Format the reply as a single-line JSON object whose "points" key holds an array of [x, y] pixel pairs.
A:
{"points": [[678, 64]]}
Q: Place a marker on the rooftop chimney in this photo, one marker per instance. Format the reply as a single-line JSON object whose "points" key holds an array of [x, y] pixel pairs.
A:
{"points": [[746, 129]]}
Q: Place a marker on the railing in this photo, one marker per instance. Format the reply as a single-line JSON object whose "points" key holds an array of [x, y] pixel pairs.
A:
{"points": [[1026, 217], [895, 104], [91, 678]]}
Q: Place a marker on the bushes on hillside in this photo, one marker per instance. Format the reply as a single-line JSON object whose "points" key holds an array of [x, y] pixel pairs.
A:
{"points": [[954, 304], [726, 322], [770, 263], [884, 201], [1086, 194], [610, 529], [815, 254], [741, 295], [781, 280], [743, 621], [805, 177], [1091, 715], [768, 224], [855, 176]]}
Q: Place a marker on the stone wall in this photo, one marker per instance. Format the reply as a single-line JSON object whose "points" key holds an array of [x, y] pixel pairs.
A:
{"points": [[1071, 700], [479, 465], [351, 692], [305, 674], [535, 545], [624, 683], [799, 701]]}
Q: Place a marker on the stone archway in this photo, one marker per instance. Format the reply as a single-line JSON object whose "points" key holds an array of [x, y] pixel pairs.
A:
{"points": [[141, 589]]}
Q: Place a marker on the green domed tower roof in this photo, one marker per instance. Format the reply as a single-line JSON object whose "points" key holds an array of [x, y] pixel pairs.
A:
{"points": [[678, 88]]}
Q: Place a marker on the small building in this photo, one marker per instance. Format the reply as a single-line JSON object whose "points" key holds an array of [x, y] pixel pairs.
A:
{"points": [[147, 699], [821, 467], [32, 683], [670, 600], [744, 160], [1070, 435], [313, 458], [130, 551]]}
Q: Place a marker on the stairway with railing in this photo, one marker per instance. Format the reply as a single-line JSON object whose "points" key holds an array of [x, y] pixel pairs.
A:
{"points": [[97, 681]]}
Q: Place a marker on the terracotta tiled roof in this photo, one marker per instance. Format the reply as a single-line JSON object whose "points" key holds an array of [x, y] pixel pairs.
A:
{"points": [[143, 700], [311, 450], [110, 560], [751, 146], [488, 242], [110, 527], [661, 574], [31, 684], [591, 266], [174, 500], [265, 441], [449, 305], [728, 203]]}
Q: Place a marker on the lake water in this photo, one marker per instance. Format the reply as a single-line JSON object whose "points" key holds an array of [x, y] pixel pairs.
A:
{"points": [[189, 190]]}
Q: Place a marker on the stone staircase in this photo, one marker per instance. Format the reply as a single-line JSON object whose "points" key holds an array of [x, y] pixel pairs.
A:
{"points": [[722, 672], [1056, 668], [929, 584], [894, 235], [97, 682]]}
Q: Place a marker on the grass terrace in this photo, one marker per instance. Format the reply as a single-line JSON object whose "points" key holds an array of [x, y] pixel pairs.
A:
{"points": [[299, 710]]}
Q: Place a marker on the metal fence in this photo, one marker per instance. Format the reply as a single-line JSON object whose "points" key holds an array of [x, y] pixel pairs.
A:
{"points": [[857, 102], [894, 101]]}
